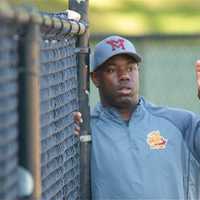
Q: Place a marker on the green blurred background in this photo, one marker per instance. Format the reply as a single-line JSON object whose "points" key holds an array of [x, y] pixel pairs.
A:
{"points": [[134, 17], [167, 70]]}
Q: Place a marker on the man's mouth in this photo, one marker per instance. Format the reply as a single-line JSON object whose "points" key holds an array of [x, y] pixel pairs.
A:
{"points": [[124, 90]]}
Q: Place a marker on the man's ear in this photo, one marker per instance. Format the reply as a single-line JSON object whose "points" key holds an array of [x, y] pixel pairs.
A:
{"points": [[95, 78]]}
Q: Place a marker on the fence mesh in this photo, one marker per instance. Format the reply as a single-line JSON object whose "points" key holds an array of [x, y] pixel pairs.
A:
{"points": [[60, 154], [8, 112], [60, 149]]}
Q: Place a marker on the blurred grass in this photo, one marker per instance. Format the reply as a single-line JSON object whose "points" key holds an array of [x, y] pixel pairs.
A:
{"points": [[133, 17]]}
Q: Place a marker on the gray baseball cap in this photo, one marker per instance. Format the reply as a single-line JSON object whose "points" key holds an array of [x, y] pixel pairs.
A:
{"points": [[111, 46]]}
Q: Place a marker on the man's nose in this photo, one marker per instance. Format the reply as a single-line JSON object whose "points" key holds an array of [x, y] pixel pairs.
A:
{"points": [[123, 75]]}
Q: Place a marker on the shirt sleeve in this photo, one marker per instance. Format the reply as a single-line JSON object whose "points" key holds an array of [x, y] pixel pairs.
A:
{"points": [[187, 122], [191, 134], [189, 125]]}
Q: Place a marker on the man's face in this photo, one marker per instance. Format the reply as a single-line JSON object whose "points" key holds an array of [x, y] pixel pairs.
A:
{"points": [[118, 81]]}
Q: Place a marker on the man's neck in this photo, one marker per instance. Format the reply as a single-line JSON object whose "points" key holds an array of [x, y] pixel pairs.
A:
{"points": [[126, 112]]}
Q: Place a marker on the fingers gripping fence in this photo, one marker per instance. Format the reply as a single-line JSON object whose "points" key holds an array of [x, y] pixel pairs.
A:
{"points": [[39, 79]]}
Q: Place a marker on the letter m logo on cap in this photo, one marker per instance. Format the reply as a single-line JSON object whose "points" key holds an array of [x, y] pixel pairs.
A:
{"points": [[116, 44]]}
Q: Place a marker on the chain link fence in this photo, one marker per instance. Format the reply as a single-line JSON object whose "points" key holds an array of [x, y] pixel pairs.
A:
{"points": [[59, 98], [57, 77], [8, 112], [167, 78]]}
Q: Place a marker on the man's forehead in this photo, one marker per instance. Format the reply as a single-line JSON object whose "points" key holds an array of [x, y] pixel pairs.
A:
{"points": [[116, 58]]}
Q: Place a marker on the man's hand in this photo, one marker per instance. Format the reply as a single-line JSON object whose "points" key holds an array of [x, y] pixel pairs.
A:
{"points": [[77, 120], [198, 76]]}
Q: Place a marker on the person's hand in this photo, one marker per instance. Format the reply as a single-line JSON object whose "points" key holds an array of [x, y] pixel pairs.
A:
{"points": [[77, 120], [197, 69]]}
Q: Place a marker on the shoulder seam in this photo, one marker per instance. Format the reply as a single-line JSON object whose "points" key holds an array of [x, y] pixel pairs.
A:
{"points": [[163, 118]]}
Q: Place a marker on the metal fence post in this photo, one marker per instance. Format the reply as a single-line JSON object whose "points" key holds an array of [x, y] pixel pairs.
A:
{"points": [[29, 105], [81, 6]]}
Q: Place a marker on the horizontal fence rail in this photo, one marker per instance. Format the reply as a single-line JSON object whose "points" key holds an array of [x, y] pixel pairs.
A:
{"points": [[58, 99], [47, 22]]}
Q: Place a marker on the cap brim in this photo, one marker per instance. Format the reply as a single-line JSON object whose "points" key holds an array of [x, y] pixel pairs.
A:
{"points": [[136, 57]]}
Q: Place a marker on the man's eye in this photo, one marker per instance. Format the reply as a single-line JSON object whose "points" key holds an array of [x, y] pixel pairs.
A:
{"points": [[130, 69], [110, 70]]}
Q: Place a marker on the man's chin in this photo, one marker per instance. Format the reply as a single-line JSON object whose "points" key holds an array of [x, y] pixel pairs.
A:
{"points": [[125, 102]]}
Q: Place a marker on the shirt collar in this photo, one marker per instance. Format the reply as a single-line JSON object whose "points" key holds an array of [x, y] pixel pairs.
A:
{"points": [[114, 115]]}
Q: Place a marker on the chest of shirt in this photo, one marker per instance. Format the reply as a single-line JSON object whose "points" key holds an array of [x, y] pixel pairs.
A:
{"points": [[151, 140]]}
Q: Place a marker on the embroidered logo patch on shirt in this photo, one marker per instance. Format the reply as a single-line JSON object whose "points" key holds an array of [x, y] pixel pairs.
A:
{"points": [[156, 141]]}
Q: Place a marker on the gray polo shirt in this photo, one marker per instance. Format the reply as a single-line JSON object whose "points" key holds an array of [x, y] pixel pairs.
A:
{"points": [[155, 156]]}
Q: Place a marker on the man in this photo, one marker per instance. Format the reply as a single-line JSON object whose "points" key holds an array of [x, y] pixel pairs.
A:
{"points": [[139, 150]]}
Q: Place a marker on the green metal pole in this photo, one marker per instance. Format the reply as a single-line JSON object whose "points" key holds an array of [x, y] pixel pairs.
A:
{"points": [[81, 6], [29, 105]]}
